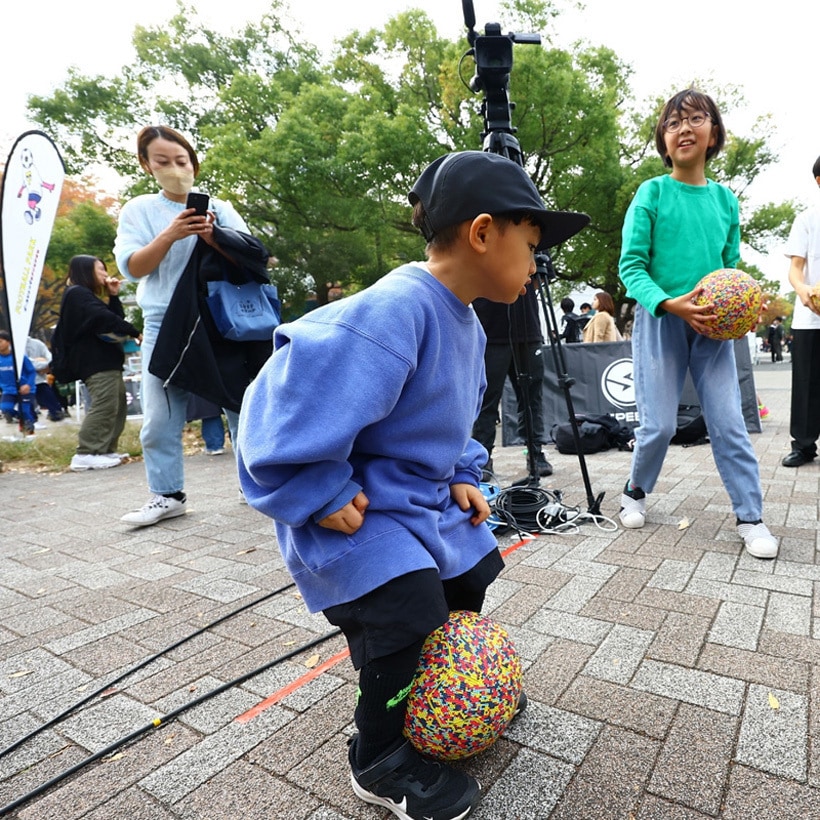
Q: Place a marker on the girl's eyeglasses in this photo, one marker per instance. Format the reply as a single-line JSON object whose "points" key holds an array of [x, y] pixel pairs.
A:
{"points": [[674, 123]]}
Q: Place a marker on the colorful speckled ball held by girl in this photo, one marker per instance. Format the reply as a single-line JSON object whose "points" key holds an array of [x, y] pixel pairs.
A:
{"points": [[466, 689], [737, 299]]}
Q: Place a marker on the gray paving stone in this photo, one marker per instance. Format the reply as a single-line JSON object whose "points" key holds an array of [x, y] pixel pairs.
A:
{"points": [[180, 776], [737, 625], [778, 583], [691, 686], [620, 654], [715, 566], [218, 589], [773, 733], [789, 613], [723, 591], [566, 625], [672, 575], [699, 741], [575, 594], [101, 630], [529, 790], [555, 732]]}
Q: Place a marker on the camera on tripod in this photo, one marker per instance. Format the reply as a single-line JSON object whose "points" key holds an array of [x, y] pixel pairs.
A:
{"points": [[493, 54]]}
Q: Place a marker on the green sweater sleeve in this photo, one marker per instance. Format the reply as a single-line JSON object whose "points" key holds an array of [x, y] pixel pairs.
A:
{"points": [[636, 252]]}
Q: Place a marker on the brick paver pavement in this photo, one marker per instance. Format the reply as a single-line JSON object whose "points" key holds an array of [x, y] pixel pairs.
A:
{"points": [[670, 676]]}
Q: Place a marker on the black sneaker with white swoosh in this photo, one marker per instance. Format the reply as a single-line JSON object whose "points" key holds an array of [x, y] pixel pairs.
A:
{"points": [[413, 787]]}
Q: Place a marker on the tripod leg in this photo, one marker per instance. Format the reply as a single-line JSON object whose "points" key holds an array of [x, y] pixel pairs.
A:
{"points": [[564, 380]]}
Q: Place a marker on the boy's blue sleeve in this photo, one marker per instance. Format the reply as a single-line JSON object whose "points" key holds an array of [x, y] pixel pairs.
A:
{"points": [[300, 419], [469, 466]]}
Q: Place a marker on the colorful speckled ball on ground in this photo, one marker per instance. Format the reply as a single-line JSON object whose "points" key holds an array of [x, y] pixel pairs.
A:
{"points": [[737, 299], [466, 689]]}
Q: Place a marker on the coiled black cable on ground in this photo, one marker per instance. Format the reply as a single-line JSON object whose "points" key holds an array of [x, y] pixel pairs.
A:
{"points": [[531, 510], [141, 665], [520, 507], [157, 722]]}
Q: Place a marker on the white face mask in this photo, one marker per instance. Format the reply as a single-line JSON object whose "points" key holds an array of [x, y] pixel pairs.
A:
{"points": [[175, 180]]}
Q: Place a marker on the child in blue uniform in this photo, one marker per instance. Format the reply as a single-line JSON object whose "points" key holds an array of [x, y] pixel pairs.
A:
{"points": [[355, 439], [679, 227], [16, 395]]}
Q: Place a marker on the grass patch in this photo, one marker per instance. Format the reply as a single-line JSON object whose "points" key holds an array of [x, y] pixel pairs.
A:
{"points": [[51, 449]]}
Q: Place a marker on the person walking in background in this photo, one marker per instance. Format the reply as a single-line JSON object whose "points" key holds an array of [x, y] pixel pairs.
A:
{"points": [[803, 251], [571, 329], [47, 399], [601, 326], [679, 227], [93, 324], [16, 395], [775, 337], [585, 314], [514, 343], [156, 237]]}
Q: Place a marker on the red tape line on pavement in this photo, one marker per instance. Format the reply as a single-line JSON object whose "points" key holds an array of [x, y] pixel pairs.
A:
{"points": [[292, 687]]}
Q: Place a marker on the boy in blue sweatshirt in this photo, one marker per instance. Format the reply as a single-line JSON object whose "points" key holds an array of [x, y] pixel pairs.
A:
{"points": [[356, 439], [16, 395]]}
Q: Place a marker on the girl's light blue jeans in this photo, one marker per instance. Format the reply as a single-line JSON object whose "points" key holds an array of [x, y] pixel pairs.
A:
{"points": [[663, 349], [164, 411]]}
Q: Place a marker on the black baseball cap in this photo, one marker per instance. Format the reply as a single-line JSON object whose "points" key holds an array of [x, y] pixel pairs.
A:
{"points": [[461, 185]]}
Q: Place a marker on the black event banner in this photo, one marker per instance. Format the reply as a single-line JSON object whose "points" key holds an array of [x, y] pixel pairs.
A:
{"points": [[604, 384]]}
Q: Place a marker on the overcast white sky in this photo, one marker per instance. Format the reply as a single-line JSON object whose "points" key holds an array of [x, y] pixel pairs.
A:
{"points": [[769, 51]]}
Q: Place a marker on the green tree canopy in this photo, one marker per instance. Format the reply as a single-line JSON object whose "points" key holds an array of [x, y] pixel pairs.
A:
{"points": [[318, 155]]}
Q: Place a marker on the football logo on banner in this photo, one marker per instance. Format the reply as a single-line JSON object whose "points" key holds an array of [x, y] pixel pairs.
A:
{"points": [[32, 183]]}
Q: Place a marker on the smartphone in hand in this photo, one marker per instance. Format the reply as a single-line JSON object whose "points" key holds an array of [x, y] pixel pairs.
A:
{"points": [[198, 201]]}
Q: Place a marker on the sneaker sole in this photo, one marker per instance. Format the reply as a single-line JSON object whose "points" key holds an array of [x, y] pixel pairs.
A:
{"points": [[390, 805], [633, 521], [163, 517], [100, 467]]}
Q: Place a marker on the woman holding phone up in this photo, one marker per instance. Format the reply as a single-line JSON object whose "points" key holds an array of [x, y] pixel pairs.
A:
{"points": [[156, 236]]}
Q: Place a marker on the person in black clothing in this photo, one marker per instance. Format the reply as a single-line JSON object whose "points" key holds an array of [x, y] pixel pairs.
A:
{"points": [[513, 349], [775, 336], [586, 314], [570, 321], [93, 324]]}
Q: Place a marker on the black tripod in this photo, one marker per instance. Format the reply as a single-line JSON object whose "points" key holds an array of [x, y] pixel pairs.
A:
{"points": [[493, 53]]}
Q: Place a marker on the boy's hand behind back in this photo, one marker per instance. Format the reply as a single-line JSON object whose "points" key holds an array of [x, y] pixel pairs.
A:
{"points": [[469, 497], [349, 518]]}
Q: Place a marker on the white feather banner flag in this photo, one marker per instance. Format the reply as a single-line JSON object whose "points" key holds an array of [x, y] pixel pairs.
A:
{"points": [[32, 182]]}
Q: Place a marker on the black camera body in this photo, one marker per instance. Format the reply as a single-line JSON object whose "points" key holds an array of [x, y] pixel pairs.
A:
{"points": [[493, 53]]}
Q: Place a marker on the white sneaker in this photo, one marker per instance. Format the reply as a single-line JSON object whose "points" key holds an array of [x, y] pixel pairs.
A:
{"points": [[759, 542], [633, 510], [158, 508], [218, 452], [118, 456], [86, 461]]}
